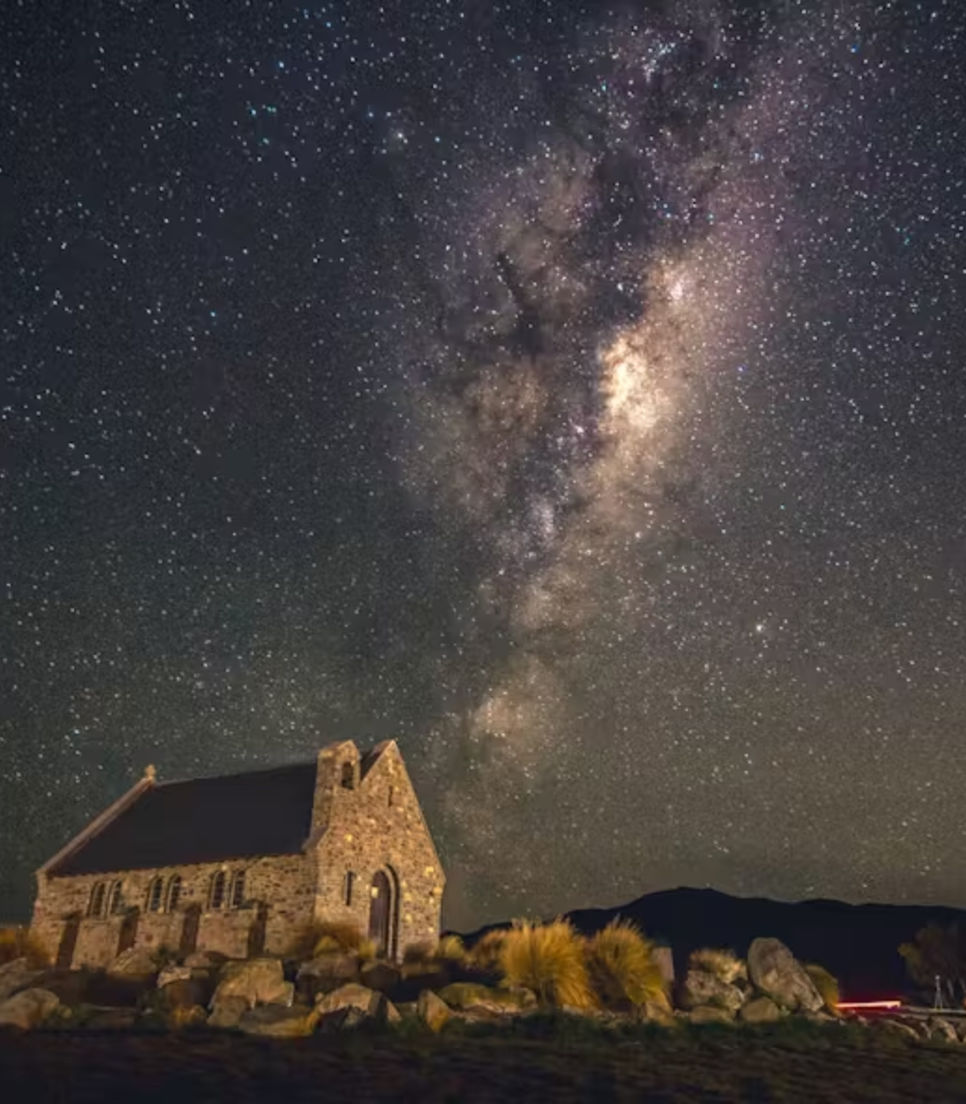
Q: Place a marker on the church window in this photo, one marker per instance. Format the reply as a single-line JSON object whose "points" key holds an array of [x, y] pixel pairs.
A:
{"points": [[391, 795], [347, 885], [348, 776], [96, 906], [238, 889], [174, 893], [216, 891], [155, 891], [115, 899]]}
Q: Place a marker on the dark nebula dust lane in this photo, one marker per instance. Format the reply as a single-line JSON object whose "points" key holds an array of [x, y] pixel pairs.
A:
{"points": [[574, 395]]}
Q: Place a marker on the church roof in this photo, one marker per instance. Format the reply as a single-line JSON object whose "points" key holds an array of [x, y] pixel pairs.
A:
{"points": [[234, 816]]}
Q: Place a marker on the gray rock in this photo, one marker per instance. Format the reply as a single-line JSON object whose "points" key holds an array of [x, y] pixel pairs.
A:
{"points": [[278, 1021], [228, 1011], [701, 988], [15, 975], [710, 1013], [353, 995], [897, 1027], [343, 1019], [760, 1010], [941, 1029], [258, 980], [173, 973], [135, 962], [432, 1011], [28, 1008], [326, 972], [380, 975], [776, 972]]}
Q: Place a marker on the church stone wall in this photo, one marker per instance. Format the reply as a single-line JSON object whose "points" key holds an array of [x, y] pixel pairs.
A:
{"points": [[378, 825], [285, 884]]}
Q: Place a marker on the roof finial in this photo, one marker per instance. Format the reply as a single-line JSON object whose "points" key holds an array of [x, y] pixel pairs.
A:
{"points": [[150, 772]]}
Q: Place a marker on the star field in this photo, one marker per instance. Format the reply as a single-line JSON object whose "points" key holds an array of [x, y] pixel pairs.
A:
{"points": [[574, 393]]}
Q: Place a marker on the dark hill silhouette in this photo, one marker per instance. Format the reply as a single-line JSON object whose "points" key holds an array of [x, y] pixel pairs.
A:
{"points": [[857, 943]]}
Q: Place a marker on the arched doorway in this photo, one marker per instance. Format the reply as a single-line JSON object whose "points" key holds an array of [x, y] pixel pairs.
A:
{"points": [[128, 933], [382, 913], [68, 941]]}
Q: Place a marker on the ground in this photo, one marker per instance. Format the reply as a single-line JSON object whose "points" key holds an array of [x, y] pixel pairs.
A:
{"points": [[544, 1063]]}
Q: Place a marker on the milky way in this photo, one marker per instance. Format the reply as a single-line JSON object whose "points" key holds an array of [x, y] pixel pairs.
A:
{"points": [[576, 398]]}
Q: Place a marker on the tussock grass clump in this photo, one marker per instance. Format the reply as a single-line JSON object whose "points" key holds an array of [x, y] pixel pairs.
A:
{"points": [[450, 949], [17, 942], [826, 984], [419, 953], [725, 965], [486, 951], [332, 937], [549, 959], [622, 967]]}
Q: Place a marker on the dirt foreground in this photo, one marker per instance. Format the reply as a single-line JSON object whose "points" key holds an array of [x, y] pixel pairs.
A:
{"points": [[706, 1064]]}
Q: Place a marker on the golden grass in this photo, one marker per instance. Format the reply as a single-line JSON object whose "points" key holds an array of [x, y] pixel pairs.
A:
{"points": [[725, 965], [486, 951], [826, 984], [622, 967], [332, 937], [450, 949], [17, 942], [549, 959], [424, 952]]}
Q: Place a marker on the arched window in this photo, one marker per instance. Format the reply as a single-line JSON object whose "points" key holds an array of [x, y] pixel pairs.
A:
{"points": [[347, 884], [238, 889], [173, 894], [216, 891], [390, 797], [155, 894], [115, 899], [96, 905], [348, 776]]}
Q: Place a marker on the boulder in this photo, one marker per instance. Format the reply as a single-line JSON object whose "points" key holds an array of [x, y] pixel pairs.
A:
{"points": [[941, 1029], [111, 1019], [353, 995], [658, 1012], [258, 980], [17, 974], [760, 1010], [190, 1015], [710, 1013], [28, 1008], [184, 993], [381, 976], [135, 962], [205, 960], [466, 995], [71, 987], [343, 1019], [326, 972], [173, 973], [897, 1027], [228, 1012], [701, 988], [278, 1021], [775, 971], [432, 1011]]}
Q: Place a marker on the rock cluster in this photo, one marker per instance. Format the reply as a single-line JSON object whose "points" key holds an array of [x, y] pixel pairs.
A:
{"points": [[335, 992]]}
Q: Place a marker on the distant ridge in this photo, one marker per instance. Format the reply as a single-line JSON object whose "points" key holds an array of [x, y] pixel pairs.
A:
{"points": [[858, 943]]}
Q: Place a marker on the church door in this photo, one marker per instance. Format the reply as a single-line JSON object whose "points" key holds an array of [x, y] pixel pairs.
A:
{"points": [[68, 941], [380, 912], [189, 930], [129, 930]]}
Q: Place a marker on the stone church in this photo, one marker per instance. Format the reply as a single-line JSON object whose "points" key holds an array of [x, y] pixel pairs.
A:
{"points": [[245, 863]]}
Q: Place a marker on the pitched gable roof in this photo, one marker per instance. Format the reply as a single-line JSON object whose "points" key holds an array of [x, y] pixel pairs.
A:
{"points": [[266, 812]]}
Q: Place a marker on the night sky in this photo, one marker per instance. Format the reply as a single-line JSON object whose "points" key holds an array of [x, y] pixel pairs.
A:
{"points": [[572, 392]]}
